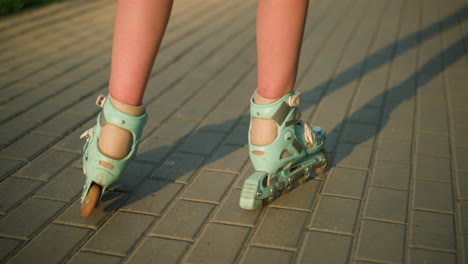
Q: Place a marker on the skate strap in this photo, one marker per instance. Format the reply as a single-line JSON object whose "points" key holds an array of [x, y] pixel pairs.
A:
{"points": [[277, 111]]}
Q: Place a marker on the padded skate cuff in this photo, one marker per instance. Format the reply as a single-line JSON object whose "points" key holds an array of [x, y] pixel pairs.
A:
{"points": [[277, 111]]}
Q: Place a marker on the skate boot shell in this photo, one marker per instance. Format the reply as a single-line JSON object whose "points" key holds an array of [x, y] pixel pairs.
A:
{"points": [[297, 151], [100, 170]]}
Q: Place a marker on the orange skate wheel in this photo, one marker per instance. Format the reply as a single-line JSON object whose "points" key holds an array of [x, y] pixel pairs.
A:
{"points": [[91, 200]]}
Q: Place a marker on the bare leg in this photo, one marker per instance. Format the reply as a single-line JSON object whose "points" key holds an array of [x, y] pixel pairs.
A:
{"points": [[280, 25], [139, 30]]}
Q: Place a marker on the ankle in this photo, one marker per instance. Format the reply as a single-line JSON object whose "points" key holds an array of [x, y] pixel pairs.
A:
{"points": [[126, 108]]}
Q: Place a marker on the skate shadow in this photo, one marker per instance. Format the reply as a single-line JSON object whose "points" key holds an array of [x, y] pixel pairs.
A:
{"points": [[144, 179]]}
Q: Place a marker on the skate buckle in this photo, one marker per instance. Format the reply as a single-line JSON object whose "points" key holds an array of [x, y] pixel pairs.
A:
{"points": [[101, 100], [87, 134]]}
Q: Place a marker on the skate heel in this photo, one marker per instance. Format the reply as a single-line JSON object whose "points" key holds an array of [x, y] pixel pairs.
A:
{"points": [[100, 170], [297, 151]]}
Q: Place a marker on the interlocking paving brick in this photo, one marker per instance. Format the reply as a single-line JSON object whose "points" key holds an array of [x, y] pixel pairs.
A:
{"points": [[462, 183], [432, 121], [397, 129], [349, 182], [301, 197], [359, 133], [120, 233], [394, 150], [13, 129], [231, 212], [326, 247], [61, 124], [110, 202], [160, 250], [239, 136], [461, 158], [391, 174], [176, 128], [228, 158], [132, 176], [40, 112], [179, 167], [65, 186], [434, 195], [382, 241], [154, 149], [184, 219], [270, 231], [267, 255], [73, 142], [7, 166], [84, 257], [400, 111], [351, 155], [460, 136], [329, 218], [220, 121], [152, 197], [460, 117], [159, 113], [387, 204], [432, 167], [215, 248], [13, 190], [433, 230], [20, 222], [202, 142], [8, 246], [209, 186], [45, 166], [433, 144], [366, 114], [432, 257], [52, 245], [28, 146]]}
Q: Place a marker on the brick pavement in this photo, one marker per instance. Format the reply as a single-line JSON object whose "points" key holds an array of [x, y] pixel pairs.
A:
{"points": [[386, 79]]}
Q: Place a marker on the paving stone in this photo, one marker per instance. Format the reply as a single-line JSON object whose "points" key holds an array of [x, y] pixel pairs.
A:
{"points": [[460, 136], [27, 147], [434, 195], [330, 219], [359, 133], [394, 150], [248, 170], [184, 219], [391, 174], [154, 149], [132, 176], [73, 142], [14, 190], [220, 121], [351, 155], [13, 129], [397, 129], [7, 166], [8, 246], [201, 142], [66, 186], [239, 136], [45, 166], [434, 230], [433, 122], [213, 248], [209, 186], [19, 223], [231, 212], [176, 128], [349, 182], [157, 114], [267, 255], [160, 250], [432, 167], [228, 158], [460, 117], [179, 167], [382, 241], [301, 197], [388, 204], [61, 124], [367, 114], [110, 202], [433, 144], [432, 257], [117, 235], [462, 183], [270, 234], [84, 257], [326, 247], [52, 245], [461, 158], [152, 197], [399, 111]]}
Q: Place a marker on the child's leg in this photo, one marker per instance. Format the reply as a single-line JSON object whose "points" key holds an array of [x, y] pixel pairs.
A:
{"points": [[139, 30], [280, 25]]}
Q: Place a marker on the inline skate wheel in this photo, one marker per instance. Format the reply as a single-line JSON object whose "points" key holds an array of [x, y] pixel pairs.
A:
{"points": [[322, 168], [91, 200], [286, 190]]}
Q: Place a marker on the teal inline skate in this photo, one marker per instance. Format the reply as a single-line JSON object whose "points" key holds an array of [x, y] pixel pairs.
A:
{"points": [[100, 170], [297, 151]]}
